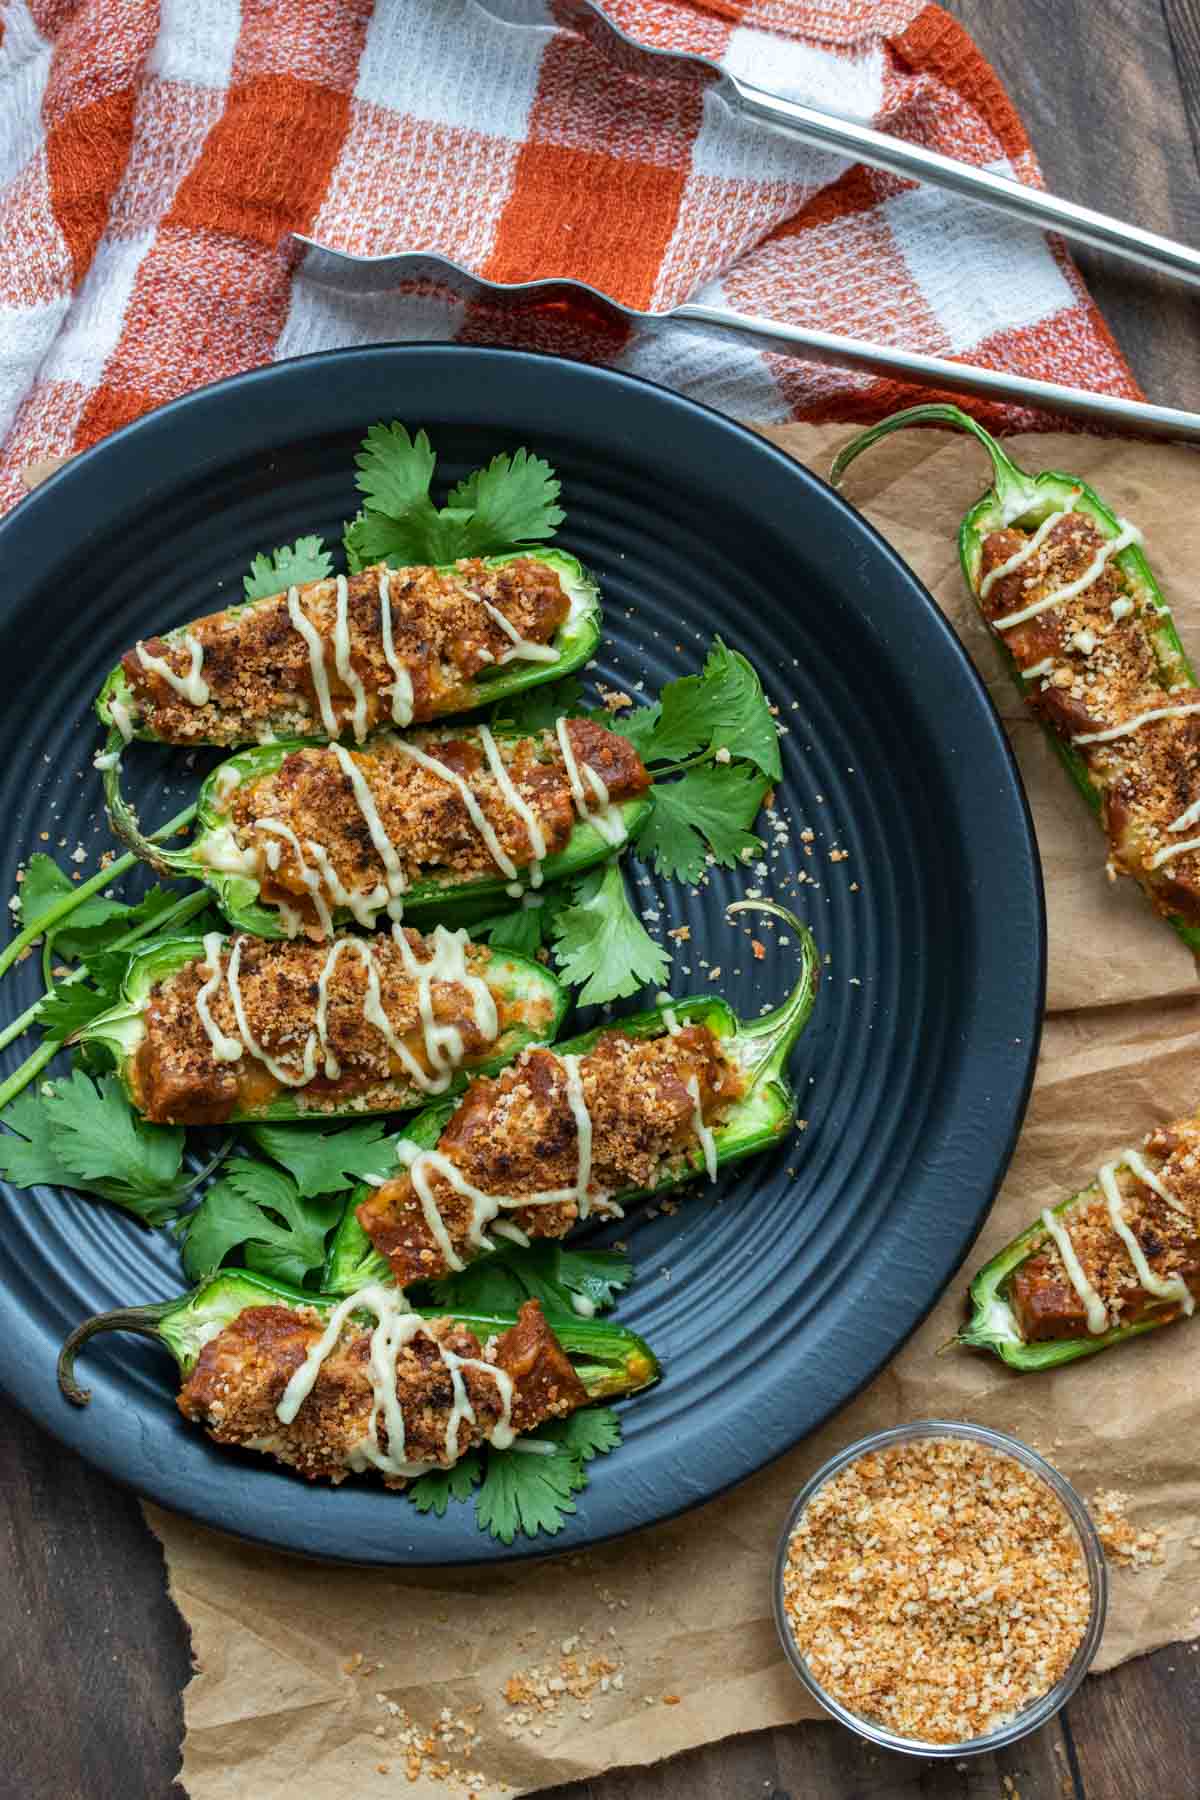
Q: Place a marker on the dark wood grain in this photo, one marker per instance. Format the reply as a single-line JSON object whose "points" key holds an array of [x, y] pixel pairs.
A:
{"points": [[93, 1655], [1116, 127]]}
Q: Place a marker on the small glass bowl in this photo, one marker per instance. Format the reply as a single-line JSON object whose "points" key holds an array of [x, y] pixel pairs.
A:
{"points": [[1031, 1717]]}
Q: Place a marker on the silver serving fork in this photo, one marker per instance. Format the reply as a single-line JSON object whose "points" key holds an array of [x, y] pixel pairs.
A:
{"points": [[419, 271]]}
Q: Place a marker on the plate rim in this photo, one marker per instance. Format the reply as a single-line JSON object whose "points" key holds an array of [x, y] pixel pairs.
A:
{"points": [[77, 473]]}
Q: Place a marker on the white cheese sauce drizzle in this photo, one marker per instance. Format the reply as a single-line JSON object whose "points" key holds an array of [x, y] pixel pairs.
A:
{"points": [[1028, 550], [384, 847], [288, 1077], [342, 662], [402, 688], [316, 660], [395, 1328], [516, 801], [1168, 1288], [224, 1047], [448, 962], [1128, 534], [310, 877], [1042, 668], [192, 686], [1097, 1312], [475, 812], [607, 821], [1135, 724], [521, 647]]}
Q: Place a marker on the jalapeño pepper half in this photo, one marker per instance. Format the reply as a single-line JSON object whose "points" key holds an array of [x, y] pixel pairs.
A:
{"points": [[608, 1359], [1117, 695], [212, 855], [534, 1000], [759, 1049], [573, 643]]}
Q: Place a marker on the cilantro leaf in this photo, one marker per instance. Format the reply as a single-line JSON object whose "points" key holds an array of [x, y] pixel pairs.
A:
{"points": [[289, 566], [711, 806], [324, 1162], [602, 944], [73, 1004], [523, 930], [262, 1209], [434, 1492], [84, 1134], [85, 940], [528, 1491], [538, 709], [394, 470], [423, 535], [509, 503], [544, 1271], [639, 726], [45, 884], [723, 707], [512, 501]]}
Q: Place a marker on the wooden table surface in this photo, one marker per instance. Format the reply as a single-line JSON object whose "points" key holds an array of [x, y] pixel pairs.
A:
{"points": [[93, 1657]]}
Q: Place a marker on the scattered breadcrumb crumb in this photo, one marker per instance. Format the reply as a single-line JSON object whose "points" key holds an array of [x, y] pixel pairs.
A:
{"points": [[681, 933], [760, 950], [1123, 1543], [613, 698]]}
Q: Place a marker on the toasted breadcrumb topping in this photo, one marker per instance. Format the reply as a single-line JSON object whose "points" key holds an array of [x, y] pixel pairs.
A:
{"points": [[240, 1376], [425, 816], [936, 1588], [256, 664], [1104, 672], [1123, 1543], [177, 1078], [516, 1135]]}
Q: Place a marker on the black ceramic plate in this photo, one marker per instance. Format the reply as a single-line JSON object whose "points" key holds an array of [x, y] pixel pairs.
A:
{"points": [[772, 1299]]}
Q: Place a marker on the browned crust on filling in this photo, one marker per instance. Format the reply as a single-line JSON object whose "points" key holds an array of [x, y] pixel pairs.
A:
{"points": [[176, 1078], [424, 815], [516, 1135], [1041, 1294], [240, 1376], [257, 665], [1146, 780]]}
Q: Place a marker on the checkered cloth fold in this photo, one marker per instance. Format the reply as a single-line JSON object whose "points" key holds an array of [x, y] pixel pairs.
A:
{"points": [[153, 157]]}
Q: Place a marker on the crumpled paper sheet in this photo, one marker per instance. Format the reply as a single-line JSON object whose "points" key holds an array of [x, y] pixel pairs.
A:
{"points": [[684, 1609]]}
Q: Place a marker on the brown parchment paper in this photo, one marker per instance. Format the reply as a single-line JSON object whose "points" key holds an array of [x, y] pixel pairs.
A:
{"points": [[684, 1609]]}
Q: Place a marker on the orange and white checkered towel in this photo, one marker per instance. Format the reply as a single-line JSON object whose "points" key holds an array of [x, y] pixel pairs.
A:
{"points": [[153, 153]]}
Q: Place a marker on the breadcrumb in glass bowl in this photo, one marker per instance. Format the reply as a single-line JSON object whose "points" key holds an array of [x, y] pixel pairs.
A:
{"points": [[940, 1589]]}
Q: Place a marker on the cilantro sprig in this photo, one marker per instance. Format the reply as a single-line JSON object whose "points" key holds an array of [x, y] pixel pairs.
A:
{"points": [[291, 565], [712, 747], [82, 1134], [529, 1488], [510, 503]]}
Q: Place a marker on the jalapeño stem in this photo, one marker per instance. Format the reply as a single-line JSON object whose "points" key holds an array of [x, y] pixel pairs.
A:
{"points": [[127, 826], [144, 1320], [1015, 489], [773, 1035]]}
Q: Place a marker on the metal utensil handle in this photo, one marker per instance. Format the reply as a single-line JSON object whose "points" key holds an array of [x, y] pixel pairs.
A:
{"points": [[1110, 410], [1030, 205]]}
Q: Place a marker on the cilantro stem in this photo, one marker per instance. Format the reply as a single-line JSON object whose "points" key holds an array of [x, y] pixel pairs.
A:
{"points": [[29, 1071], [184, 909], [62, 909], [677, 768]]}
